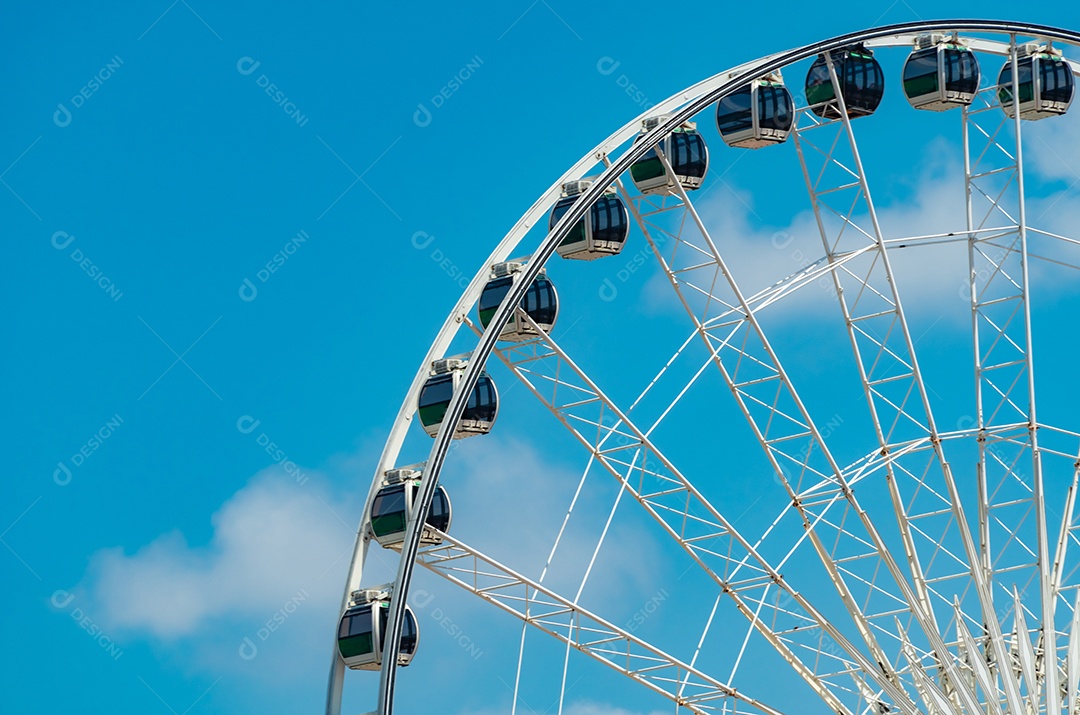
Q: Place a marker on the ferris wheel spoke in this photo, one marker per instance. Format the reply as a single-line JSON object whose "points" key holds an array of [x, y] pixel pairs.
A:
{"points": [[795, 423], [684, 514], [951, 520], [570, 623], [1007, 659], [1016, 554], [1069, 532]]}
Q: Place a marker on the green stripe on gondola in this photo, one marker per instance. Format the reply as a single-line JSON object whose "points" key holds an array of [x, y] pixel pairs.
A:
{"points": [[920, 86], [820, 93], [1027, 93], [646, 169], [352, 646], [393, 523], [576, 234], [433, 414], [486, 314]]}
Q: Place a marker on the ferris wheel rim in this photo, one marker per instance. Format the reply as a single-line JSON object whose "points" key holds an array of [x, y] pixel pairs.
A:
{"points": [[693, 105]]}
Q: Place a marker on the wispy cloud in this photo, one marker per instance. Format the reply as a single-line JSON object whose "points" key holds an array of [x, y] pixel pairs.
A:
{"points": [[270, 540]]}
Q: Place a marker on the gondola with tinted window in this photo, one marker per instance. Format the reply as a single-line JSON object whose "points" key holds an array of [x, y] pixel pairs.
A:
{"points": [[540, 303], [480, 410], [685, 151], [363, 625], [940, 74], [394, 502], [860, 80], [602, 231], [1045, 83], [758, 115]]}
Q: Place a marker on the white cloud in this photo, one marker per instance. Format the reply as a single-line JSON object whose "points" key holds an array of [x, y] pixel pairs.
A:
{"points": [[510, 500], [272, 540], [929, 278], [1052, 147], [582, 707], [275, 541], [593, 708]]}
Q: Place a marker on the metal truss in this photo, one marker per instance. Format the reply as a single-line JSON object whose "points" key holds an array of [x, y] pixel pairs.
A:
{"points": [[931, 515], [581, 630], [774, 608], [905, 380], [858, 563], [866, 575], [1013, 544], [1007, 659]]}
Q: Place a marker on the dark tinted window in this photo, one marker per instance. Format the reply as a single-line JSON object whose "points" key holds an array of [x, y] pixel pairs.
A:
{"points": [[408, 629], [961, 70], [733, 113], [818, 83], [561, 207], [1057, 80], [774, 108], [577, 231], [863, 82], [1005, 82], [1025, 81], [921, 73], [539, 301], [357, 622], [687, 154], [435, 398], [609, 219], [492, 298], [437, 389], [439, 516], [482, 402], [408, 633], [388, 510]]}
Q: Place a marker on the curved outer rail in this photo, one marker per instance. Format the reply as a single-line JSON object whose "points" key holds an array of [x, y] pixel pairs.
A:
{"points": [[682, 106]]}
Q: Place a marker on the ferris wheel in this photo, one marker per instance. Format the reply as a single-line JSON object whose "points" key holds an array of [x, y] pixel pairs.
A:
{"points": [[938, 571]]}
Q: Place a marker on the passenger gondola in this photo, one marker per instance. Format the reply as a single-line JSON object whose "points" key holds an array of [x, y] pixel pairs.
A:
{"points": [[541, 302], [760, 114], [940, 74], [394, 502], [685, 151], [1045, 83], [859, 77], [480, 410], [603, 230], [361, 630]]}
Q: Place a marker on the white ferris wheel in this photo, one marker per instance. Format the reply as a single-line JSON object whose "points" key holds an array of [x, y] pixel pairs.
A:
{"points": [[935, 573]]}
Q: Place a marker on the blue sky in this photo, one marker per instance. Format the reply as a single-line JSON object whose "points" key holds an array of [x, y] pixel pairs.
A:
{"points": [[218, 304]]}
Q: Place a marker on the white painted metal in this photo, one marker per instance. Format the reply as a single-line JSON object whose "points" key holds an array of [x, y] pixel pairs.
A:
{"points": [[590, 634], [816, 499]]}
